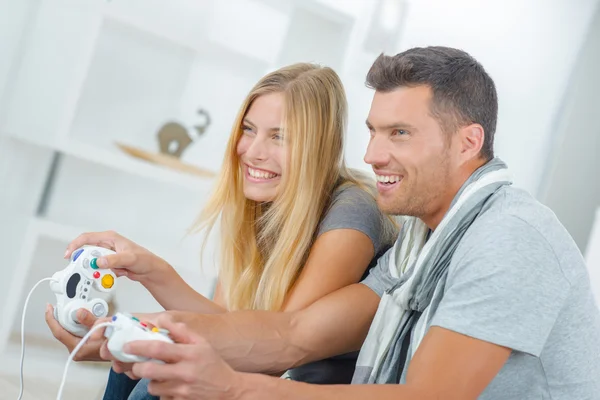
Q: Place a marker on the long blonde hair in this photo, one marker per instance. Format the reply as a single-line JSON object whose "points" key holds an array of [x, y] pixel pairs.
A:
{"points": [[264, 246]]}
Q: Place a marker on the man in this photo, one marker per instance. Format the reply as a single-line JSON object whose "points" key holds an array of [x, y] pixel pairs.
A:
{"points": [[485, 295]]}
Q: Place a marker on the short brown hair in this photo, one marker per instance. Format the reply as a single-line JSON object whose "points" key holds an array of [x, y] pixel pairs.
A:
{"points": [[463, 92]]}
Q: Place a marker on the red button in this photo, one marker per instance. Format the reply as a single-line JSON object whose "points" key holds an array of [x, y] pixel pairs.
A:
{"points": [[96, 274], [145, 325]]}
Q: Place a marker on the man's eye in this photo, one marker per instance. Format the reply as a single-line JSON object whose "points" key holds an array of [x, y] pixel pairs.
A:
{"points": [[399, 132]]}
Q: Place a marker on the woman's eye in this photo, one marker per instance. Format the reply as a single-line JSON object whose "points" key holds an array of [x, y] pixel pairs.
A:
{"points": [[247, 129]]}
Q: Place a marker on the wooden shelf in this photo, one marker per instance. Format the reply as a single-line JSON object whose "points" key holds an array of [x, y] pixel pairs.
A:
{"points": [[120, 161]]}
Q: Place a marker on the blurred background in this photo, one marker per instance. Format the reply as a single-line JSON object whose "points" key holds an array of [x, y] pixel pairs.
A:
{"points": [[91, 89]]}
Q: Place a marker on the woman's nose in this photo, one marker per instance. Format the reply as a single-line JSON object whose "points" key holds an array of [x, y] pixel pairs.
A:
{"points": [[257, 149]]}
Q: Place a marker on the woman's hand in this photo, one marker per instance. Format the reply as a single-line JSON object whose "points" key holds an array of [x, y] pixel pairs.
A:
{"points": [[192, 369], [90, 351], [130, 260]]}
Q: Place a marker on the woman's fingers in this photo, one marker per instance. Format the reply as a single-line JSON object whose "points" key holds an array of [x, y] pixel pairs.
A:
{"points": [[124, 260], [88, 352], [58, 331], [104, 239], [85, 317]]}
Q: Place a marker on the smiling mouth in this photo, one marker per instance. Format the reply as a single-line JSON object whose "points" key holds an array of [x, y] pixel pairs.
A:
{"points": [[388, 180], [259, 175]]}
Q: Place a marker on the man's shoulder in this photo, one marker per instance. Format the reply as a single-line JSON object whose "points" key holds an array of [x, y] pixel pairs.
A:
{"points": [[513, 221], [513, 212]]}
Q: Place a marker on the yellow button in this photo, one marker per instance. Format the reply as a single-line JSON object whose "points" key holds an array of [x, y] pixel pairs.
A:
{"points": [[108, 281], [155, 329]]}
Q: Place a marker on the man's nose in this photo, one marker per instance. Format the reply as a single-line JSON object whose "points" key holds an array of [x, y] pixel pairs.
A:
{"points": [[378, 151]]}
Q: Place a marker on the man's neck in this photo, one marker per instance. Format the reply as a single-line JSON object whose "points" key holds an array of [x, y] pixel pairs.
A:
{"points": [[433, 219]]}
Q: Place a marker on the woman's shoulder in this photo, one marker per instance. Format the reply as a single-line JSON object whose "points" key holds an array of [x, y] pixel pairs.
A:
{"points": [[351, 193], [355, 207]]}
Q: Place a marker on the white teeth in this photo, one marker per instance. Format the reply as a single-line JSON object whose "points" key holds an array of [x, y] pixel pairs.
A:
{"points": [[260, 174], [388, 178]]}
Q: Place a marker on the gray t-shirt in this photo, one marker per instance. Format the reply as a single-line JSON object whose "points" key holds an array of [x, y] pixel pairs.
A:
{"points": [[517, 279], [351, 208]]}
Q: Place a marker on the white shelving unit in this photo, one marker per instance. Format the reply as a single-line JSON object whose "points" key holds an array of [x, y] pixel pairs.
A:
{"points": [[85, 75]]}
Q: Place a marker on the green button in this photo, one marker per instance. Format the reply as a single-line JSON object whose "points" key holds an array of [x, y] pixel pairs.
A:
{"points": [[93, 263], [135, 319]]}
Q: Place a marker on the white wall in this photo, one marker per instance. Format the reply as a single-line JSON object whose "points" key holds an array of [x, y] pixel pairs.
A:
{"points": [[12, 15], [592, 256], [528, 47], [572, 183]]}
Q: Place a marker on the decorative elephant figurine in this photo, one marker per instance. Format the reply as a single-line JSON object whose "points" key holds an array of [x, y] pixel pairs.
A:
{"points": [[174, 138]]}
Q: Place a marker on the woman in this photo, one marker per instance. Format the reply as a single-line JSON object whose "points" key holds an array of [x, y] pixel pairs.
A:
{"points": [[295, 224]]}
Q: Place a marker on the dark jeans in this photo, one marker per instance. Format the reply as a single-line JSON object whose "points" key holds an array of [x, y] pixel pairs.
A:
{"points": [[121, 387]]}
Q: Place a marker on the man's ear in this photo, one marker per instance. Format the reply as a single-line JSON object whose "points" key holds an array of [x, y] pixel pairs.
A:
{"points": [[471, 141]]}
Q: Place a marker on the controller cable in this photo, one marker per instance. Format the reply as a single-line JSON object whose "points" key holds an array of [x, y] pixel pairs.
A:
{"points": [[71, 356], [75, 350], [23, 336]]}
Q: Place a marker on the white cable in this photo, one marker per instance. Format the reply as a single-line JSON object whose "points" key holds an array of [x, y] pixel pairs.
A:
{"points": [[23, 335], [75, 350]]}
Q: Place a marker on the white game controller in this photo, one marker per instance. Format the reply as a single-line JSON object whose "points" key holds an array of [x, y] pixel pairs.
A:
{"points": [[126, 328], [82, 285]]}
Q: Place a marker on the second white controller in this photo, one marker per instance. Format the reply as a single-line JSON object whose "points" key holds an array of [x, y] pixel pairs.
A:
{"points": [[82, 285], [126, 328]]}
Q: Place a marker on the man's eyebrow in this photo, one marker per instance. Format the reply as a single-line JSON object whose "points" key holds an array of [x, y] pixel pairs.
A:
{"points": [[395, 125]]}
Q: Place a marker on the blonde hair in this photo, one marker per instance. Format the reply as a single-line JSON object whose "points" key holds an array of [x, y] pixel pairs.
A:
{"points": [[264, 246]]}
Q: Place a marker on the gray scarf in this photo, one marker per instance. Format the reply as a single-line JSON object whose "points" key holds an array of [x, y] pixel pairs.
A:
{"points": [[418, 264]]}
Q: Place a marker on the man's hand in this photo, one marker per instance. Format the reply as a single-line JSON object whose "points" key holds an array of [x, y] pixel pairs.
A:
{"points": [[90, 351], [126, 368], [192, 369]]}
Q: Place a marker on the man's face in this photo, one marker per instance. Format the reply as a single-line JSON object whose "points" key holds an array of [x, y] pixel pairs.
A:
{"points": [[414, 160]]}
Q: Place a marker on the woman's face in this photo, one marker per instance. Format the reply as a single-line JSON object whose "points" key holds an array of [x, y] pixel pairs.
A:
{"points": [[260, 148]]}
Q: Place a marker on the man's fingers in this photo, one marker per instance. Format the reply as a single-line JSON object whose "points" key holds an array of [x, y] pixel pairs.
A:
{"points": [[132, 376], [117, 366], [178, 331], [167, 352], [104, 353], [164, 390], [157, 372], [121, 367]]}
